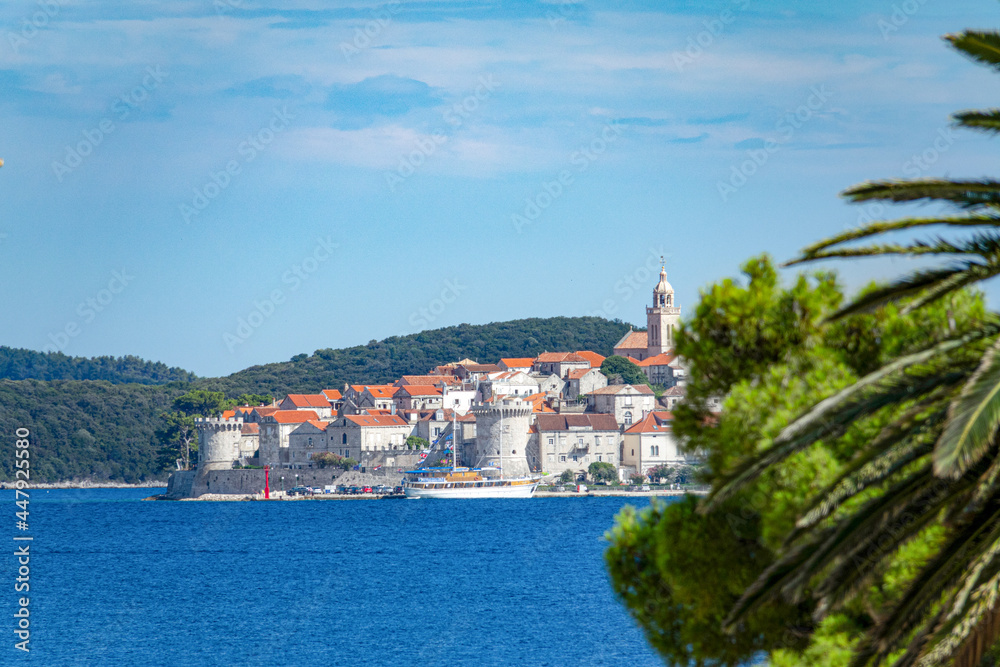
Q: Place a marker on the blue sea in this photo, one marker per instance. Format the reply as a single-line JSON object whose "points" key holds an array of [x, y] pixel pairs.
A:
{"points": [[117, 581]]}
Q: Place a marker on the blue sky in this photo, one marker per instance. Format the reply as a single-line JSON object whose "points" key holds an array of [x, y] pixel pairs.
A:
{"points": [[221, 183]]}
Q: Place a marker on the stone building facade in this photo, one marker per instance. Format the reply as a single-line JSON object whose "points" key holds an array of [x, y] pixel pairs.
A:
{"points": [[572, 442]]}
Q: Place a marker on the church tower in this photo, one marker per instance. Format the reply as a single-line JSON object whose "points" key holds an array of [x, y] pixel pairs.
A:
{"points": [[663, 318]]}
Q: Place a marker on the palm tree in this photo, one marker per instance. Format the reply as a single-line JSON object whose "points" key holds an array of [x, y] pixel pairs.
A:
{"points": [[936, 464]]}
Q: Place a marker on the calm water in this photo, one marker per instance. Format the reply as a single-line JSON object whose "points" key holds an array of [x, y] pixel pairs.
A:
{"points": [[115, 581]]}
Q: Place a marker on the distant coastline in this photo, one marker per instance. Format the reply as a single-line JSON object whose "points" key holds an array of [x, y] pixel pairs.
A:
{"points": [[88, 484]]}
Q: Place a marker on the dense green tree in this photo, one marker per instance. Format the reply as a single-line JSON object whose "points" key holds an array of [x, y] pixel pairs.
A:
{"points": [[933, 468], [416, 442], [567, 477], [600, 471], [178, 440], [331, 460], [622, 370], [201, 403], [20, 364], [781, 360]]}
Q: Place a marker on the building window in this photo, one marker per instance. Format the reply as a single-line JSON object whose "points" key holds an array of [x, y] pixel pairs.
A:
{"points": [[628, 400], [580, 440], [599, 458], [597, 441], [575, 459], [628, 418], [343, 439], [562, 457]]}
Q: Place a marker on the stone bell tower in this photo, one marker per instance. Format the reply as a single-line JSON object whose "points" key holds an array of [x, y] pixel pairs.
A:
{"points": [[663, 317]]}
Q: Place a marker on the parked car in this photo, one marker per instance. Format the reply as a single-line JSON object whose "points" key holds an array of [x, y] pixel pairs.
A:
{"points": [[645, 487], [299, 491], [367, 489], [353, 490], [398, 490], [341, 488], [380, 489]]}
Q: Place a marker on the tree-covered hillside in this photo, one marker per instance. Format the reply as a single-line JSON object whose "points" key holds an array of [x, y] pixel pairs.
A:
{"points": [[84, 429], [21, 364], [415, 354], [104, 431]]}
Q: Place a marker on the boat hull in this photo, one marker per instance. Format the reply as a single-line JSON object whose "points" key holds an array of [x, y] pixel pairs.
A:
{"points": [[512, 491]]}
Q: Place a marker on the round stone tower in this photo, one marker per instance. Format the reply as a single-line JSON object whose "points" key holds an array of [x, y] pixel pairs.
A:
{"points": [[218, 443], [503, 426]]}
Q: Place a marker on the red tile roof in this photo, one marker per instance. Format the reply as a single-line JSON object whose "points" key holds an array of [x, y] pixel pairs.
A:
{"points": [[633, 340], [250, 428], [563, 422], [661, 359], [228, 414], [481, 368], [377, 420], [293, 416], [419, 390], [595, 359], [559, 357], [578, 373], [618, 388], [308, 400], [332, 394], [518, 362], [265, 411], [654, 422], [432, 380], [538, 403]]}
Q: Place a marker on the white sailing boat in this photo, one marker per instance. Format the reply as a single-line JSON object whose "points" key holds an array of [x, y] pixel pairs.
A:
{"points": [[458, 482]]}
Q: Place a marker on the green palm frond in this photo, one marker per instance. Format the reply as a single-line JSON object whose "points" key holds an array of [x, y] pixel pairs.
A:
{"points": [[831, 416], [903, 288], [974, 274], [875, 228], [965, 194], [988, 121], [943, 573], [973, 419], [982, 46]]}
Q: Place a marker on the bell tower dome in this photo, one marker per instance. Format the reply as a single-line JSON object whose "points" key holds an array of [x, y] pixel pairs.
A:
{"points": [[663, 317]]}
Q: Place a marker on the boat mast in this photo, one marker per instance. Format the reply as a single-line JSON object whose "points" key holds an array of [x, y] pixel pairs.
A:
{"points": [[501, 439]]}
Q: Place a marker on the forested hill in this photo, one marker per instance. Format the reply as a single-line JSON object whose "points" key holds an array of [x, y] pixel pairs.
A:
{"points": [[21, 364], [415, 354], [104, 429]]}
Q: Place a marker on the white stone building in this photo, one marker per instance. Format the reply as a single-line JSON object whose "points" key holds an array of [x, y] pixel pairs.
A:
{"points": [[628, 403], [308, 439], [572, 442], [318, 403], [355, 435], [559, 363], [274, 431], [506, 383], [651, 442], [584, 381]]}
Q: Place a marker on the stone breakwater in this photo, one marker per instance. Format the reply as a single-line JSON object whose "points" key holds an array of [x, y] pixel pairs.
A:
{"points": [[187, 484]]}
